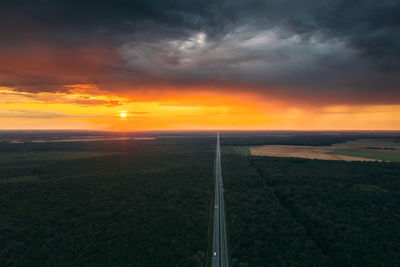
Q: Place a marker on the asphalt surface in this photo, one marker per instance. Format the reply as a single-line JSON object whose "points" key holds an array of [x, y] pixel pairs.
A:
{"points": [[220, 248]]}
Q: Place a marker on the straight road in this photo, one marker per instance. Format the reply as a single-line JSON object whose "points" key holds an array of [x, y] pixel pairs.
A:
{"points": [[220, 248]]}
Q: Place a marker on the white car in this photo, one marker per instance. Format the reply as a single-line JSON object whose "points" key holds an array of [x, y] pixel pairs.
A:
{"points": [[215, 254]]}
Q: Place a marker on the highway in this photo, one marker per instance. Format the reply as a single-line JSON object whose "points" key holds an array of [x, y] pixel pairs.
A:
{"points": [[220, 248]]}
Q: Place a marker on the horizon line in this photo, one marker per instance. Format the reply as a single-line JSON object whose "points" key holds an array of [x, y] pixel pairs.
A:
{"points": [[208, 130]]}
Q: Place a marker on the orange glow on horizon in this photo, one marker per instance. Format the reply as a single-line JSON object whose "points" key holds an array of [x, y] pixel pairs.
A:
{"points": [[87, 107]]}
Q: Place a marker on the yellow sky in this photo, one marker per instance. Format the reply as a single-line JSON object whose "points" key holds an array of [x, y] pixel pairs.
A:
{"points": [[86, 107]]}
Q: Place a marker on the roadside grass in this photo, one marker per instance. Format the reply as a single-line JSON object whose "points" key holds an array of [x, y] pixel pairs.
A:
{"points": [[230, 149], [370, 154], [227, 228], [210, 236], [243, 151], [210, 225]]}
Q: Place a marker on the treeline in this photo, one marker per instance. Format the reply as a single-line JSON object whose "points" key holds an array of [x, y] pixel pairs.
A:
{"points": [[298, 138], [146, 206]]}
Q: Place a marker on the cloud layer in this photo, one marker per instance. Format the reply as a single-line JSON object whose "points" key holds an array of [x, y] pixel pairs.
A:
{"points": [[329, 51]]}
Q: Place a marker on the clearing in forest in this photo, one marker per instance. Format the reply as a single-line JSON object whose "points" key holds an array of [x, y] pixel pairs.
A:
{"points": [[358, 150]]}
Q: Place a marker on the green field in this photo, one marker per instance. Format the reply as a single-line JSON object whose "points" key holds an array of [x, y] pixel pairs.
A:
{"points": [[19, 179], [240, 150], [384, 155], [13, 157]]}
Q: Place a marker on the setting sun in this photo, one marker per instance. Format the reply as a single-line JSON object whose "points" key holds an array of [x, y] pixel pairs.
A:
{"points": [[208, 76]]}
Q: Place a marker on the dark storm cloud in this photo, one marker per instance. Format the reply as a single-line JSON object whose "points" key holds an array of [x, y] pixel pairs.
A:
{"points": [[341, 51]]}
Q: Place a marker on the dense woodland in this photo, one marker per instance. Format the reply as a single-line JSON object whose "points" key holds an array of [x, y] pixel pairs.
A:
{"points": [[350, 209], [147, 205], [262, 231], [299, 212]]}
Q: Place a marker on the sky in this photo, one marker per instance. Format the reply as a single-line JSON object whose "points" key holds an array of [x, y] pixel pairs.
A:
{"points": [[200, 64]]}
